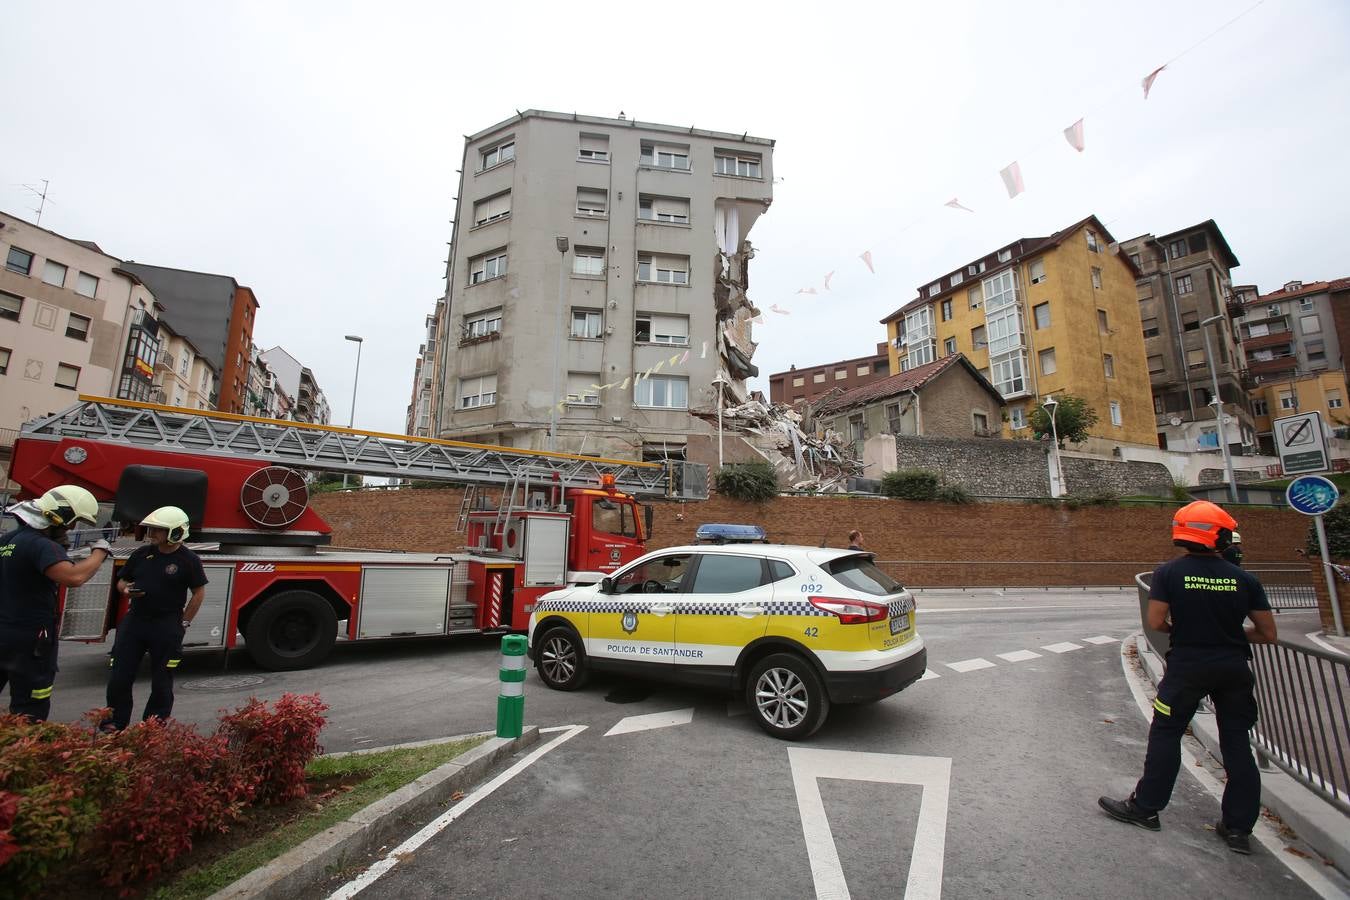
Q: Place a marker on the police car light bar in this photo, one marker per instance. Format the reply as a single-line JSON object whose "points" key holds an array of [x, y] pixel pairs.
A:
{"points": [[730, 534]]}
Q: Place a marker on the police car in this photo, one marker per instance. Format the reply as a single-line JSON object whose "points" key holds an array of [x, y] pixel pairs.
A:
{"points": [[797, 629]]}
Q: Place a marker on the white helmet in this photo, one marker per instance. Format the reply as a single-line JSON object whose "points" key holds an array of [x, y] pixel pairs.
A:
{"points": [[171, 519], [61, 507]]}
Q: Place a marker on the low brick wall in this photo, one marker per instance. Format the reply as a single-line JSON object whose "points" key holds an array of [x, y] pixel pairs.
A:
{"points": [[924, 544]]}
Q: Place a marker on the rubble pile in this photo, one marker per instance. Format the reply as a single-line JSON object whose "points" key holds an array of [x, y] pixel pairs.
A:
{"points": [[805, 461]]}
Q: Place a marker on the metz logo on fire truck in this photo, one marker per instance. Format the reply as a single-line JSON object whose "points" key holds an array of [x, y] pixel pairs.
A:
{"points": [[257, 567]]}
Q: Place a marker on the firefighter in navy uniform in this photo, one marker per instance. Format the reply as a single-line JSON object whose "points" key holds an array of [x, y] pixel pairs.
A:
{"points": [[1203, 600], [33, 565], [159, 577]]}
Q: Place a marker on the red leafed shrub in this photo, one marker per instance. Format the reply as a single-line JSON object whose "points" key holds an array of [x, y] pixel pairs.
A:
{"points": [[9, 808], [278, 743]]}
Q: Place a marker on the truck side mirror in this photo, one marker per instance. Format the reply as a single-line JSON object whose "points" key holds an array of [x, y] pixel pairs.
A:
{"points": [[648, 516], [606, 585]]}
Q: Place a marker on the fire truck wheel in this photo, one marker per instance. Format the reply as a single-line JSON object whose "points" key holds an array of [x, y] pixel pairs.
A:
{"points": [[292, 630], [562, 661]]}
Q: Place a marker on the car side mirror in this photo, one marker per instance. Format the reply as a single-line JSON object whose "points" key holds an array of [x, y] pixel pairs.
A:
{"points": [[606, 585]]}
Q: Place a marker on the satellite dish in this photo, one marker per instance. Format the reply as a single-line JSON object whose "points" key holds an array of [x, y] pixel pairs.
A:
{"points": [[1175, 420]]}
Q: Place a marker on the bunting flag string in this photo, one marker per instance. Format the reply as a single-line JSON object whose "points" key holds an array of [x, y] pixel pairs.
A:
{"points": [[1012, 179], [774, 307], [866, 257], [827, 279], [954, 203], [1147, 83], [1074, 135], [806, 290]]}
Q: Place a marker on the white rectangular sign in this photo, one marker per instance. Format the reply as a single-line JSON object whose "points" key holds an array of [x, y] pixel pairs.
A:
{"points": [[1302, 444]]}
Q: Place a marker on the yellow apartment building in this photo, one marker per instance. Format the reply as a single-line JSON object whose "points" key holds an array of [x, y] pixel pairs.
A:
{"points": [[1323, 392], [1039, 317]]}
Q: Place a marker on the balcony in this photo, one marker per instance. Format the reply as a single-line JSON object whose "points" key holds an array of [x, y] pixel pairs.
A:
{"points": [[1265, 368], [1278, 339]]}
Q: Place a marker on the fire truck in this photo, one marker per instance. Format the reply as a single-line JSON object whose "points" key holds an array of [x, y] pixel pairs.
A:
{"points": [[276, 583]]}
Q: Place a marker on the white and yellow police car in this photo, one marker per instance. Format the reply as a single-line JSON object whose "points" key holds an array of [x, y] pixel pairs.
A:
{"points": [[796, 628]]}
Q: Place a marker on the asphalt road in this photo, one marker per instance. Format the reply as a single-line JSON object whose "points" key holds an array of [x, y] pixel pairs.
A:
{"points": [[1020, 745]]}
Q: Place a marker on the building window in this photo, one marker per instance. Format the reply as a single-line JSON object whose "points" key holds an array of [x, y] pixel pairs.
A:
{"points": [[583, 389], [86, 285], [798, 381], [663, 269], [1134, 258], [1004, 256], [934, 289], [947, 310], [1259, 408], [1184, 284], [981, 423], [998, 292], [1195, 359], [671, 210], [1096, 278], [19, 260], [588, 261], [477, 325], [489, 266], [1287, 400], [864, 370], [1094, 245], [1048, 361], [477, 392], [1041, 313], [742, 165], [1310, 324], [662, 392], [818, 378], [1017, 417], [1103, 325], [973, 297], [592, 202], [1150, 328], [665, 156], [1037, 271], [77, 327], [949, 347], [4, 360], [1115, 414], [1333, 399], [586, 323], [10, 306], [1008, 374], [1176, 249], [54, 273], [977, 338], [1109, 364], [495, 156], [840, 374], [1190, 321], [594, 148], [674, 330], [957, 278], [1305, 304], [492, 209], [67, 376]]}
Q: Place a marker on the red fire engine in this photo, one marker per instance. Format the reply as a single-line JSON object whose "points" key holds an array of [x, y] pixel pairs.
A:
{"points": [[558, 519]]}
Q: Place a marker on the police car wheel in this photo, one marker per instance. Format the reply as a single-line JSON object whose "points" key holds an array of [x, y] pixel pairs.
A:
{"points": [[786, 696], [561, 662]]}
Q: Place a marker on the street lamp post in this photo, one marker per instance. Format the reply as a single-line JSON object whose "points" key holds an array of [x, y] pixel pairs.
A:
{"points": [[562, 244], [719, 382], [1217, 403], [1050, 405], [356, 380]]}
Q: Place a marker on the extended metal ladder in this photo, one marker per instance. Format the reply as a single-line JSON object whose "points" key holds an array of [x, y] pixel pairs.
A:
{"points": [[334, 449]]}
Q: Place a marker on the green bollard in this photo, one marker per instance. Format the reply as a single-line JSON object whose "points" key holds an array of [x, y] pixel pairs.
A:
{"points": [[511, 699]]}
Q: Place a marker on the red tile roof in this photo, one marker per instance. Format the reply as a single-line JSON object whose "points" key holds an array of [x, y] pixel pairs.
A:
{"points": [[1308, 287], [916, 379]]}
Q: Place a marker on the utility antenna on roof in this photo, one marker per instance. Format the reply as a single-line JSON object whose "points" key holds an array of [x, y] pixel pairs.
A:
{"points": [[42, 199]]}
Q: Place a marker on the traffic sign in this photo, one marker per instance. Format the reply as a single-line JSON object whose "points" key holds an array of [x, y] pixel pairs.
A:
{"points": [[1312, 495], [1302, 444]]}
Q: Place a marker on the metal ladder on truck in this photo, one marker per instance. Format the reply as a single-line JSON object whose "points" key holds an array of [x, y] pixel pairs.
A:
{"points": [[347, 450]]}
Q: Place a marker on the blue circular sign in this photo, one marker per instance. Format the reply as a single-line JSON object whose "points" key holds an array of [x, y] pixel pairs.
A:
{"points": [[1312, 495]]}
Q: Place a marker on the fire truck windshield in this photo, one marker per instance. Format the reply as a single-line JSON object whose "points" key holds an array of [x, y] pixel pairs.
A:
{"points": [[611, 517]]}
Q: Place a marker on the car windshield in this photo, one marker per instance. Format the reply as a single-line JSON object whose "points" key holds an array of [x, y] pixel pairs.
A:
{"points": [[861, 574]]}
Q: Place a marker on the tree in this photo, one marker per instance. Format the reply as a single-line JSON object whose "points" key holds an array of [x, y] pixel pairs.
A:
{"points": [[1073, 419]]}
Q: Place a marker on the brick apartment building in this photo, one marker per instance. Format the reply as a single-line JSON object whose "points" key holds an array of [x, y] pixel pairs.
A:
{"points": [[813, 381]]}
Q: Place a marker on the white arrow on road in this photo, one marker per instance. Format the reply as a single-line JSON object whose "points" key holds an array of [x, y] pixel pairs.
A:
{"points": [[932, 773]]}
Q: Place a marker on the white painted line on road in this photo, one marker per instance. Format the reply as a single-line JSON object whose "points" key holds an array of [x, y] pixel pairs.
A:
{"points": [[1062, 647], [929, 673], [970, 665], [1330, 648], [1262, 832], [1100, 639], [435, 827], [929, 610], [652, 720], [1020, 655], [552, 729], [932, 773]]}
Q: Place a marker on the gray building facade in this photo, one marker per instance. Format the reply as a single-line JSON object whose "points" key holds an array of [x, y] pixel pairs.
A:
{"points": [[652, 283]]}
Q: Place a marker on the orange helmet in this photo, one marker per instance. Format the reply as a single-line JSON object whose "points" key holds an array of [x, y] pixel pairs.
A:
{"points": [[1203, 523]]}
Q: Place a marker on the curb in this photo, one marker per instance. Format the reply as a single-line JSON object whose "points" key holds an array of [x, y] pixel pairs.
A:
{"points": [[1323, 827], [372, 827]]}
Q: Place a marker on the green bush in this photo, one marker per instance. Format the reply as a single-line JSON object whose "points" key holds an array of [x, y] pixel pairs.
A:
{"points": [[952, 493], [1337, 523], [1180, 494], [911, 484], [754, 481]]}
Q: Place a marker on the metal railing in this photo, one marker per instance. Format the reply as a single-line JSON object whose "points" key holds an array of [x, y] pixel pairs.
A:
{"points": [[1287, 588]]}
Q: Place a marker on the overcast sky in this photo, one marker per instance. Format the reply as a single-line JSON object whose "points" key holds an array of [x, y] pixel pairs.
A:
{"points": [[309, 149]]}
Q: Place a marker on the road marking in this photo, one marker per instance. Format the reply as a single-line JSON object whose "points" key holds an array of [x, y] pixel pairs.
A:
{"points": [[1020, 655], [652, 720], [929, 673], [1100, 639], [1263, 832], [932, 773], [435, 827], [1062, 647], [970, 665], [1330, 648]]}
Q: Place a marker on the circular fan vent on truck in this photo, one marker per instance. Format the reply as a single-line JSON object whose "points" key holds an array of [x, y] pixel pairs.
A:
{"points": [[274, 496]]}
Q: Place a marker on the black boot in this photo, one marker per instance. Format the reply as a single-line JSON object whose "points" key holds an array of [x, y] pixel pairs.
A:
{"points": [[1237, 841], [1126, 811]]}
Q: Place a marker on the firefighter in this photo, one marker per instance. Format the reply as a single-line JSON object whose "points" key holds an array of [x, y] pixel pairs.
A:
{"points": [[1233, 552], [33, 565], [159, 577], [1202, 600]]}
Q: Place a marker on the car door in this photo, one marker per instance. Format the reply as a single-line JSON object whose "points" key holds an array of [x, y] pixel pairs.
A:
{"points": [[726, 608], [635, 622]]}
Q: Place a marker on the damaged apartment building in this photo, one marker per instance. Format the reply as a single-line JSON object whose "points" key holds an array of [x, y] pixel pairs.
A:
{"points": [[595, 297]]}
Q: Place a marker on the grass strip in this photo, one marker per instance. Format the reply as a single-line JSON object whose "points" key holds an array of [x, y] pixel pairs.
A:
{"points": [[388, 771]]}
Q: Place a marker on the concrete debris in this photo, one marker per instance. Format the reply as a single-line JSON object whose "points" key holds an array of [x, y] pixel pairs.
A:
{"points": [[807, 461]]}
